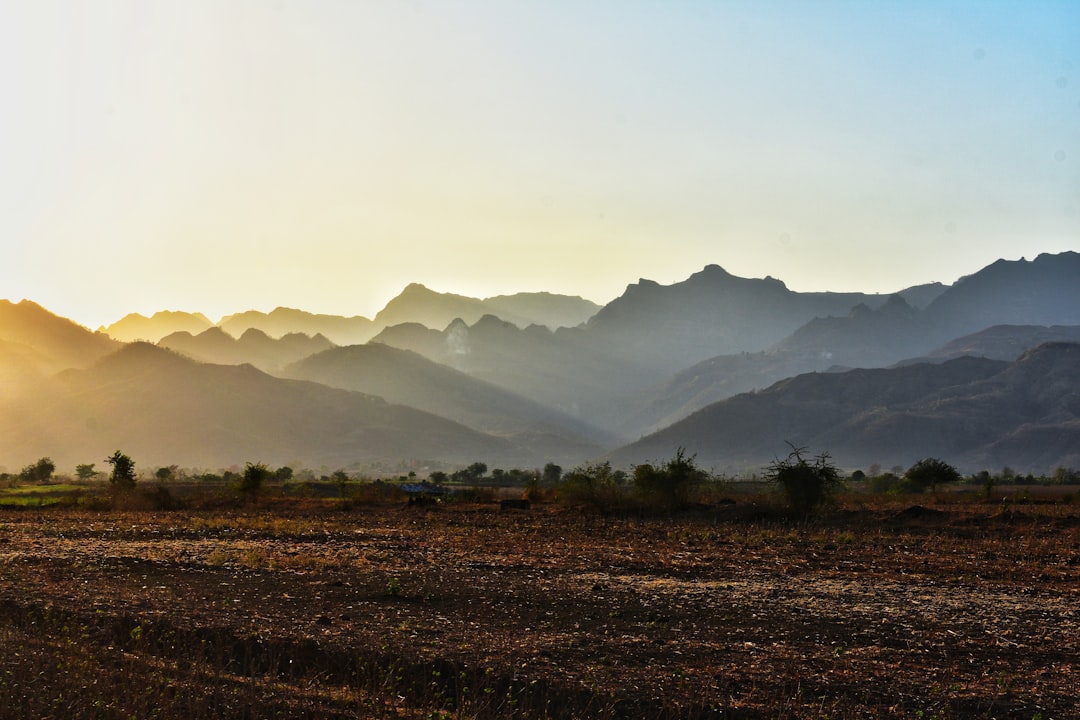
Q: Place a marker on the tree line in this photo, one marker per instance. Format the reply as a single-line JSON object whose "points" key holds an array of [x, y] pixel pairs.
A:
{"points": [[807, 482]]}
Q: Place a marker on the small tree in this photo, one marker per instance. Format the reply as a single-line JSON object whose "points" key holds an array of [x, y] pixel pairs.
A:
{"points": [[86, 472], [929, 473], [341, 479], [251, 482], [122, 478], [39, 472], [806, 484]]}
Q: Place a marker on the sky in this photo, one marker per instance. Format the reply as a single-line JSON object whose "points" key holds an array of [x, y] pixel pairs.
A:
{"points": [[222, 156]]}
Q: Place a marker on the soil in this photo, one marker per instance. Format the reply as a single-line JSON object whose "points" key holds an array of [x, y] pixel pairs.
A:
{"points": [[953, 611]]}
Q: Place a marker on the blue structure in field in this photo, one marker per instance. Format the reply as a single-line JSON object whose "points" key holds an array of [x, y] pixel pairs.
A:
{"points": [[424, 492]]}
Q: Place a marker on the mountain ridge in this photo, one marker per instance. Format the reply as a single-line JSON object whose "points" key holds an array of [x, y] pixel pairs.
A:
{"points": [[644, 362], [164, 408], [966, 410]]}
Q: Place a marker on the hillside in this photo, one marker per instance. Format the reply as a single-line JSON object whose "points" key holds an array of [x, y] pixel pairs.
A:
{"points": [[971, 411], [162, 408], [47, 341], [563, 369], [1005, 342], [407, 378]]}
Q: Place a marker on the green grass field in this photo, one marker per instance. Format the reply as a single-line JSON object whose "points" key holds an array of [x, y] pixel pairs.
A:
{"points": [[41, 495]]}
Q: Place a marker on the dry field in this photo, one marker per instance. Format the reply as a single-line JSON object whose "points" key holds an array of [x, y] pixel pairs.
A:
{"points": [[296, 609]]}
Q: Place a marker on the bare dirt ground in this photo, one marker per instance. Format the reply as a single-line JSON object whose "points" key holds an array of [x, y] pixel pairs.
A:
{"points": [[461, 612]]}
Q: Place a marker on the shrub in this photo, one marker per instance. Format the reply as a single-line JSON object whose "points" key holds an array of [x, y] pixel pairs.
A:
{"points": [[807, 485], [672, 484], [594, 485], [884, 483], [929, 473], [255, 474]]}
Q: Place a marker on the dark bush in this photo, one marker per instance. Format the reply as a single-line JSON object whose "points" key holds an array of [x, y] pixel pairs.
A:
{"points": [[807, 485], [594, 485], [928, 473], [672, 484]]}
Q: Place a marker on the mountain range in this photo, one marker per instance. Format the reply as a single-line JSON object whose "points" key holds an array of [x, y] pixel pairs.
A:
{"points": [[974, 411], [416, 303], [730, 368], [163, 408]]}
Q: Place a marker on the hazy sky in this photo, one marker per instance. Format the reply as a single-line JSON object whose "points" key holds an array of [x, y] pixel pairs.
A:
{"points": [[225, 155]]}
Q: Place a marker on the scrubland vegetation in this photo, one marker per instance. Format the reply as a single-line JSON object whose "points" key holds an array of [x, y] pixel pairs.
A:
{"points": [[662, 592]]}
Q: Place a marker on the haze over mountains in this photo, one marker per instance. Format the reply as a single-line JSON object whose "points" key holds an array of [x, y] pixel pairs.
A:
{"points": [[416, 303], [527, 378], [974, 411], [163, 408]]}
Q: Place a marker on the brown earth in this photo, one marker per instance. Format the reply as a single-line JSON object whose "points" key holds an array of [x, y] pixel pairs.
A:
{"points": [[459, 612]]}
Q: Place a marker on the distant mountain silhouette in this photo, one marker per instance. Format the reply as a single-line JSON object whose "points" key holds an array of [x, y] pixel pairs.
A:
{"points": [[254, 347], [653, 357], [972, 412], [151, 329], [862, 338], [542, 308], [627, 369], [49, 341], [597, 372], [563, 369], [711, 313], [418, 304], [285, 321], [1043, 291], [162, 408], [919, 296], [407, 378]]}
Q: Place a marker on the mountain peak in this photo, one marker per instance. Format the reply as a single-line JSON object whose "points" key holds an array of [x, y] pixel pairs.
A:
{"points": [[712, 270], [897, 303]]}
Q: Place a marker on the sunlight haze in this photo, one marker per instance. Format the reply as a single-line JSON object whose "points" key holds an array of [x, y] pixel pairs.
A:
{"points": [[218, 157]]}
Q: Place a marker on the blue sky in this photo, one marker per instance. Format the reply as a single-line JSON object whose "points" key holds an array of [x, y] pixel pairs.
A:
{"points": [[217, 157]]}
